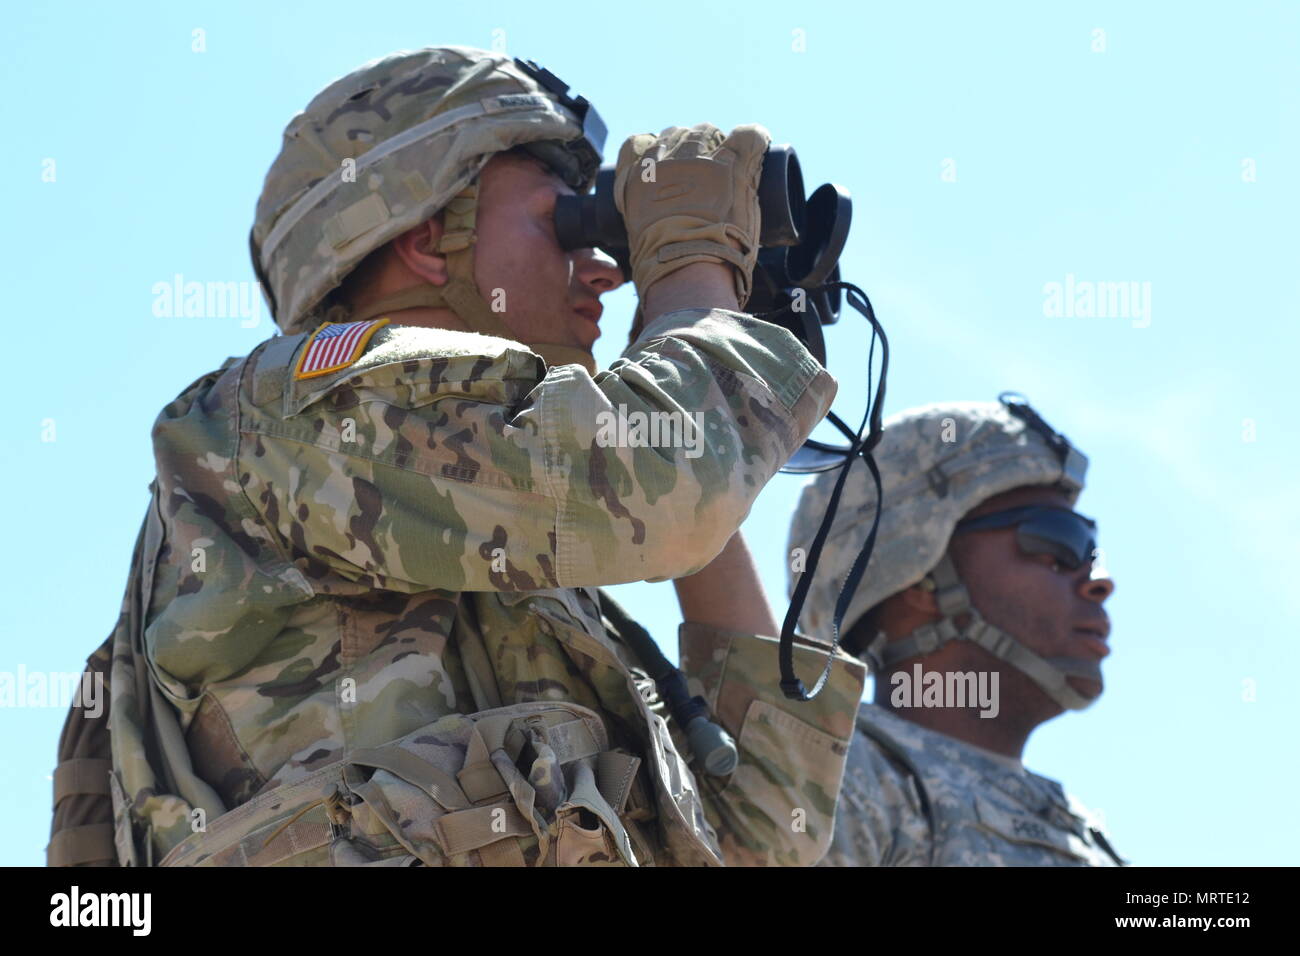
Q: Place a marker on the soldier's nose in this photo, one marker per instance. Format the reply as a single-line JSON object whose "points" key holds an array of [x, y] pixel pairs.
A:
{"points": [[597, 271]]}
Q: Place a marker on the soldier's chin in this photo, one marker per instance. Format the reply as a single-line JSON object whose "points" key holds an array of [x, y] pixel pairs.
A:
{"points": [[1089, 687]]}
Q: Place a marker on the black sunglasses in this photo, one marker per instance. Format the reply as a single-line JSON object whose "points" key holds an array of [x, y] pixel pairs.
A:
{"points": [[1069, 537]]}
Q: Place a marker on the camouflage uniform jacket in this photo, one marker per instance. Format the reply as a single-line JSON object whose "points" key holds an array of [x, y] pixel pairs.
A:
{"points": [[916, 797], [366, 629]]}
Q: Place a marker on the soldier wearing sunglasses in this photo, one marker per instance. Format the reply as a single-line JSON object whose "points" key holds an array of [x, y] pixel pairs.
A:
{"points": [[982, 617]]}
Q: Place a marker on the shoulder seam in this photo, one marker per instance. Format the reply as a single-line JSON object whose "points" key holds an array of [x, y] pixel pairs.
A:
{"points": [[273, 533], [898, 752], [548, 427]]}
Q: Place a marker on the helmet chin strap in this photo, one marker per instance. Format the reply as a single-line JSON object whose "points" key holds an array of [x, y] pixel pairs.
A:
{"points": [[1049, 673], [461, 294]]}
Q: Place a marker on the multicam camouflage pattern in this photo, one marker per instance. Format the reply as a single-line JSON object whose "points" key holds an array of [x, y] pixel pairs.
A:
{"points": [[936, 463], [792, 754], [371, 630], [916, 797], [416, 127]]}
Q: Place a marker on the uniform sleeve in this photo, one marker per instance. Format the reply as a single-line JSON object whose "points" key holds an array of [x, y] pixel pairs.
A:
{"points": [[778, 807], [457, 461]]}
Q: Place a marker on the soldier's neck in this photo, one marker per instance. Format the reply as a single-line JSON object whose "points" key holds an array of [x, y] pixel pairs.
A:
{"points": [[426, 318], [1004, 734]]}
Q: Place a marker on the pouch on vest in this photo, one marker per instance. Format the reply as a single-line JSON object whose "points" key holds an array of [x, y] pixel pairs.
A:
{"points": [[81, 833], [92, 825], [527, 785]]}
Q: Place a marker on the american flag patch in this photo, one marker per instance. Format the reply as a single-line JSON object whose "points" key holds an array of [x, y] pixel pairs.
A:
{"points": [[336, 345]]}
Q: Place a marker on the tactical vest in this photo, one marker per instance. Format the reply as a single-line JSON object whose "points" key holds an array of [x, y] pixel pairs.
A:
{"points": [[449, 793], [530, 784]]}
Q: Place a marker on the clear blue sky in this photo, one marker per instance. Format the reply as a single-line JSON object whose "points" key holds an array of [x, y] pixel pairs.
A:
{"points": [[1129, 164]]}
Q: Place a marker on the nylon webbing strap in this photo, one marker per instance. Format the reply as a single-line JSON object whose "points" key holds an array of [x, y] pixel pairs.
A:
{"points": [[402, 763], [224, 834], [77, 846], [615, 773], [481, 781], [457, 244], [298, 837], [953, 600], [494, 733], [883, 653], [477, 827], [460, 220], [502, 853], [1090, 669], [949, 593], [478, 318], [571, 740], [951, 597], [1003, 646], [82, 775], [461, 293]]}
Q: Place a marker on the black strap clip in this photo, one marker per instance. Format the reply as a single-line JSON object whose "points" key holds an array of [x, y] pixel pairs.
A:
{"points": [[592, 125]]}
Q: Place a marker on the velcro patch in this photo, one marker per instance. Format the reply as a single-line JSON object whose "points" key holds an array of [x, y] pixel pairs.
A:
{"points": [[335, 345]]}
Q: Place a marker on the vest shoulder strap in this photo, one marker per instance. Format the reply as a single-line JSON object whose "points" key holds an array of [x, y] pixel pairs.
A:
{"points": [[900, 753]]}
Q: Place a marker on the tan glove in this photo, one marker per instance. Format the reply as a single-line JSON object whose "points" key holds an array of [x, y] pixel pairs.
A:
{"points": [[699, 205]]}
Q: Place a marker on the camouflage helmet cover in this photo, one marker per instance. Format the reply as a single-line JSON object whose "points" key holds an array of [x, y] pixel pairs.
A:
{"points": [[417, 127], [937, 462]]}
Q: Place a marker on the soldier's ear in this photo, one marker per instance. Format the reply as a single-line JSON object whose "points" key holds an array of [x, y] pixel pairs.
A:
{"points": [[417, 248]]}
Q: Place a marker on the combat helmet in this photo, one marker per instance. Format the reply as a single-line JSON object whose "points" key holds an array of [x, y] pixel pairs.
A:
{"points": [[385, 148], [936, 462]]}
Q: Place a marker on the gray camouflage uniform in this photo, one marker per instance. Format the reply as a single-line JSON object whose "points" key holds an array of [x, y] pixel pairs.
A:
{"points": [[915, 797]]}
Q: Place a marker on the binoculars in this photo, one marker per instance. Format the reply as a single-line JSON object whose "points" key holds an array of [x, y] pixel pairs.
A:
{"points": [[800, 242], [796, 285]]}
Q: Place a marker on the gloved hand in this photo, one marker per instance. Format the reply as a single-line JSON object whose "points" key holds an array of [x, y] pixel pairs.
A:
{"points": [[700, 205]]}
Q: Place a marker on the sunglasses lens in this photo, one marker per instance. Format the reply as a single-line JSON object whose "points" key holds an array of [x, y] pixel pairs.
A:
{"points": [[1065, 536], [1035, 544]]}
